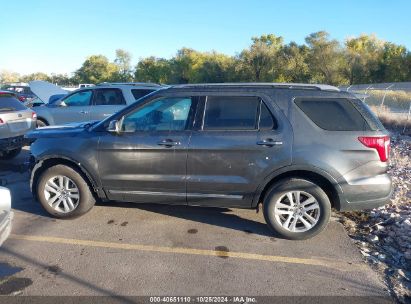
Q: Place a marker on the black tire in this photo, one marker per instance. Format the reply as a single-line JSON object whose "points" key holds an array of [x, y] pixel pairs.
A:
{"points": [[41, 123], [10, 154], [86, 198], [278, 190]]}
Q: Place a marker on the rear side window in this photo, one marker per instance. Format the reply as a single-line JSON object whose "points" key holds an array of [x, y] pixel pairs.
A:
{"points": [[138, 93], [109, 97], [267, 121], [231, 113], [8, 104], [333, 114]]}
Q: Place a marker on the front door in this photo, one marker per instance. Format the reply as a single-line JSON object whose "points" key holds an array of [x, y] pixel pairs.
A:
{"points": [[146, 161], [236, 146], [75, 107]]}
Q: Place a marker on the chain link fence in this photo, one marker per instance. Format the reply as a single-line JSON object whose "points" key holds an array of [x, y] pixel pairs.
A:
{"points": [[390, 101]]}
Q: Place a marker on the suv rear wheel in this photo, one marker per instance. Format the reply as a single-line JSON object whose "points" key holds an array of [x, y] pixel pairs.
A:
{"points": [[296, 209], [63, 192]]}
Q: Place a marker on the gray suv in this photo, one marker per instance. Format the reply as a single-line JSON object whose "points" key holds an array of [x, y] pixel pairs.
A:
{"points": [[299, 150], [92, 103]]}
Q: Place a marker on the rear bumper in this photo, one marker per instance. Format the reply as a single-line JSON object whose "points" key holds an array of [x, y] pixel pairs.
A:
{"points": [[12, 143], [365, 193]]}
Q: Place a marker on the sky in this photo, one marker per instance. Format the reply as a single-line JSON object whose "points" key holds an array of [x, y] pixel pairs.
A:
{"points": [[57, 36]]}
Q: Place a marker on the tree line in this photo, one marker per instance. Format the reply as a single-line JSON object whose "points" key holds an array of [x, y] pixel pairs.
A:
{"points": [[362, 59]]}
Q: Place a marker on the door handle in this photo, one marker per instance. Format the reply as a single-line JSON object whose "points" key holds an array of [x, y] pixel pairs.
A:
{"points": [[168, 143], [83, 112], [269, 142]]}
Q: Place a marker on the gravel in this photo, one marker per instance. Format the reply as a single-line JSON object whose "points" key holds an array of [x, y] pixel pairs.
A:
{"points": [[384, 234]]}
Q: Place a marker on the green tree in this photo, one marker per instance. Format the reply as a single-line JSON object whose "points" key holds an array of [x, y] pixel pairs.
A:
{"points": [[214, 68], [123, 63], [293, 58], [326, 59], [363, 55], [35, 76], [393, 66], [152, 69], [260, 62], [9, 76], [96, 69]]}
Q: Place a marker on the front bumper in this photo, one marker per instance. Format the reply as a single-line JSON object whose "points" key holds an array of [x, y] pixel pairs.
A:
{"points": [[365, 193], [12, 143]]}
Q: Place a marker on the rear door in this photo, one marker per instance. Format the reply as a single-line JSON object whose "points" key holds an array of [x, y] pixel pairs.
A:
{"points": [[75, 107], [106, 102], [237, 143]]}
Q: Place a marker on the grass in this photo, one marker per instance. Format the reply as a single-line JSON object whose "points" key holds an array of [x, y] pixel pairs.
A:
{"points": [[393, 121]]}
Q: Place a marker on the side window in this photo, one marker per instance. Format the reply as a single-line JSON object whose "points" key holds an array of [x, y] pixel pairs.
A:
{"points": [[108, 97], [267, 121], [78, 99], [138, 93], [165, 114], [231, 113], [333, 114]]}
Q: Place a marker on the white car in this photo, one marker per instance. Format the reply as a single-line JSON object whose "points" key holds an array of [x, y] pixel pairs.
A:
{"points": [[6, 215]]}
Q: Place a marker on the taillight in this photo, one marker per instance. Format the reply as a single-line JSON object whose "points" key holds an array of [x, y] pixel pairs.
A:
{"points": [[380, 143], [34, 115], [2, 122]]}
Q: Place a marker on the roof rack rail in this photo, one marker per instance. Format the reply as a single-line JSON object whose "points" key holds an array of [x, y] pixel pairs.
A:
{"points": [[146, 84], [301, 86]]}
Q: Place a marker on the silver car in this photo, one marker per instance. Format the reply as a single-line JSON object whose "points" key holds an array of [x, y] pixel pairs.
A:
{"points": [[6, 215], [15, 121], [92, 103]]}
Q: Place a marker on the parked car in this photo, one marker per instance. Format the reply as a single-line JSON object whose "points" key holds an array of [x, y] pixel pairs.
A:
{"points": [[23, 91], [6, 215], [91, 103], [297, 149], [15, 121]]}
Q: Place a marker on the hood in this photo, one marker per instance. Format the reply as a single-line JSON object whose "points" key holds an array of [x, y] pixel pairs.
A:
{"points": [[60, 131], [44, 90]]}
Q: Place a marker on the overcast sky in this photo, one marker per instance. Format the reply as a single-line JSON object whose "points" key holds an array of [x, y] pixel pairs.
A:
{"points": [[56, 36]]}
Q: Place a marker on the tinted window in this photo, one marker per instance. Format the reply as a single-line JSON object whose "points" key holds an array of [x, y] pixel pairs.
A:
{"points": [[109, 97], [231, 113], [333, 114], [78, 99], [267, 121], [160, 115], [138, 93], [372, 120], [8, 104]]}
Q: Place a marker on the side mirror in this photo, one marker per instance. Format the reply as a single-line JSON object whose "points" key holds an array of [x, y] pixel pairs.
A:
{"points": [[114, 127], [59, 103]]}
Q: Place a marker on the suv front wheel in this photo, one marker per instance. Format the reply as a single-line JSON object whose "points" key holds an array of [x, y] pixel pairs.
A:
{"points": [[296, 209], [63, 192]]}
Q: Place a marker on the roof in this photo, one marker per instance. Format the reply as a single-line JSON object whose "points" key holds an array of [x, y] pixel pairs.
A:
{"points": [[141, 84], [301, 86]]}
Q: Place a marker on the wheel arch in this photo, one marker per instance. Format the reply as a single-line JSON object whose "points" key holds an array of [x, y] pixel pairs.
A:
{"points": [[317, 176], [43, 120], [43, 164]]}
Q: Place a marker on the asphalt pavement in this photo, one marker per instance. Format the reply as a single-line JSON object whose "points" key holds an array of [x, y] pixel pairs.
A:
{"points": [[126, 249]]}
